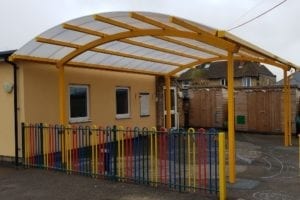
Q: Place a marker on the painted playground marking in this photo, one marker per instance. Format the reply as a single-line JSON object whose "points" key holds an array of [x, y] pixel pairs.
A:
{"points": [[270, 166], [269, 195]]}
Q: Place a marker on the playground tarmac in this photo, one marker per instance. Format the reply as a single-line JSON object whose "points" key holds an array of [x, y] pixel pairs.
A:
{"points": [[265, 171]]}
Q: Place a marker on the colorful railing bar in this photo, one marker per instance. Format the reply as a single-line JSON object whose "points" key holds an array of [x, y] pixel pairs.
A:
{"points": [[182, 160]]}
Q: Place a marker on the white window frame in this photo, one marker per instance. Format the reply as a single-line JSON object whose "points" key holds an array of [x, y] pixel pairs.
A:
{"points": [[245, 81], [222, 81], [80, 119], [144, 104], [126, 115]]}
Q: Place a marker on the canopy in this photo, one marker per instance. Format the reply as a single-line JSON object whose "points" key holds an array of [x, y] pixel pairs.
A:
{"points": [[139, 42]]}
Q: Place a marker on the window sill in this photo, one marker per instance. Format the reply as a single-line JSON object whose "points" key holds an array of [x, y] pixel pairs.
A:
{"points": [[78, 121], [120, 118], [144, 116]]}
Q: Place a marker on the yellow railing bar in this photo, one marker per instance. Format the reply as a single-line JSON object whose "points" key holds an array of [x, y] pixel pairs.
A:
{"points": [[222, 176]]}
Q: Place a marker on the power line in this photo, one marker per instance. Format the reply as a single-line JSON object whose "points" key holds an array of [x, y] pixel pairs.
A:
{"points": [[258, 16], [239, 19]]}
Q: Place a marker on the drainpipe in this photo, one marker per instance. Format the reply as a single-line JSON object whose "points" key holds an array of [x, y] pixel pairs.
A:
{"points": [[15, 67]]}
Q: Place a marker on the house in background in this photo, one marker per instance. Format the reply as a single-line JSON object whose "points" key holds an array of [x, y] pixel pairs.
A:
{"points": [[246, 74], [294, 80]]}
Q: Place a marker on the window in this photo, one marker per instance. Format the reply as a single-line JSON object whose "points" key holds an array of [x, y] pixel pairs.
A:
{"points": [[144, 105], [122, 102], [246, 82], [185, 84], [79, 103], [223, 82]]}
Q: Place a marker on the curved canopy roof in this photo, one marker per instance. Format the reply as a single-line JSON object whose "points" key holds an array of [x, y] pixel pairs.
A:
{"points": [[139, 42]]}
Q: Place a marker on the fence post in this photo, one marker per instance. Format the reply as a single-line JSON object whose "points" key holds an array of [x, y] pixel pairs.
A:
{"points": [[23, 144], [115, 156], [222, 176]]}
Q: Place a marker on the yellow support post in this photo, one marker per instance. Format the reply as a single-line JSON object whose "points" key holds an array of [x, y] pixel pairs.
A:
{"points": [[62, 95], [289, 112], [231, 130], [168, 101], [286, 109], [222, 164]]}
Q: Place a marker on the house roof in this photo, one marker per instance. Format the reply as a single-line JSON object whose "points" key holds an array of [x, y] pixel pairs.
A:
{"points": [[139, 42], [6, 54], [294, 79], [217, 70]]}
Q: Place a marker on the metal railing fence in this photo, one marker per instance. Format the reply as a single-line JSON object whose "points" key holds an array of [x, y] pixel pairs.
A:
{"points": [[182, 160]]}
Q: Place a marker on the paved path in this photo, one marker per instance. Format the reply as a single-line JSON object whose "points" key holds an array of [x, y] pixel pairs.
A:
{"points": [[266, 171], [269, 170]]}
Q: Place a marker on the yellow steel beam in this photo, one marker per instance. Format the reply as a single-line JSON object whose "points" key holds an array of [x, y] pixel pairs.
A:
{"points": [[289, 112], [206, 37], [83, 30], [155, 23], [286, 109], [135, 56], [33, 59], [192, 27], [111, 68], [148, 20], [128, 41], [241, 56], [168, 101], [85, 65], [99, 50], [195, 63], [57, 42], [157, 48], [127, 34], [197, 48], [62, 95], [114, 22], [244, 44], [231, 129]]}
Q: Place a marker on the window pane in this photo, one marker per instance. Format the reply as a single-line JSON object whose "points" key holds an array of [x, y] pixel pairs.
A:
{"points": [[122, 100], [144, 104], [78, 101]]}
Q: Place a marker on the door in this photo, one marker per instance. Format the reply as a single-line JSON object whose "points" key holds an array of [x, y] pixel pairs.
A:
{"points": [[174, 114]]}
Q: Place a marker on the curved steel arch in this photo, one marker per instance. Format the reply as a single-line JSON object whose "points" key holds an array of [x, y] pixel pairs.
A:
{"points": [[137, 33]]}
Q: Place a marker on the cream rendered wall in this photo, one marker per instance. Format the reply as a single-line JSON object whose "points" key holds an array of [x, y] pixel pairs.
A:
{"points": [[41, 94], [7, 142]]}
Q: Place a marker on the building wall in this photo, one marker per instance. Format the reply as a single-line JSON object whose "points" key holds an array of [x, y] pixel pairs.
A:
{"points": [[262, 109], [238, 82], [7, 142], [41, 102], [208, 107]]}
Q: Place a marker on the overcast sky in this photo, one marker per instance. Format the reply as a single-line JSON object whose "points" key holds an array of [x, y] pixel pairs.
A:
{"points": [[278, 31]]}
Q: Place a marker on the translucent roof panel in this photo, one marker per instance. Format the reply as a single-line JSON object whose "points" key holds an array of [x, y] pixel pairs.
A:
{"points": [[172, 46], [48, 50], [201, 45], [124, 17], [144, 52], [150, 42]]}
